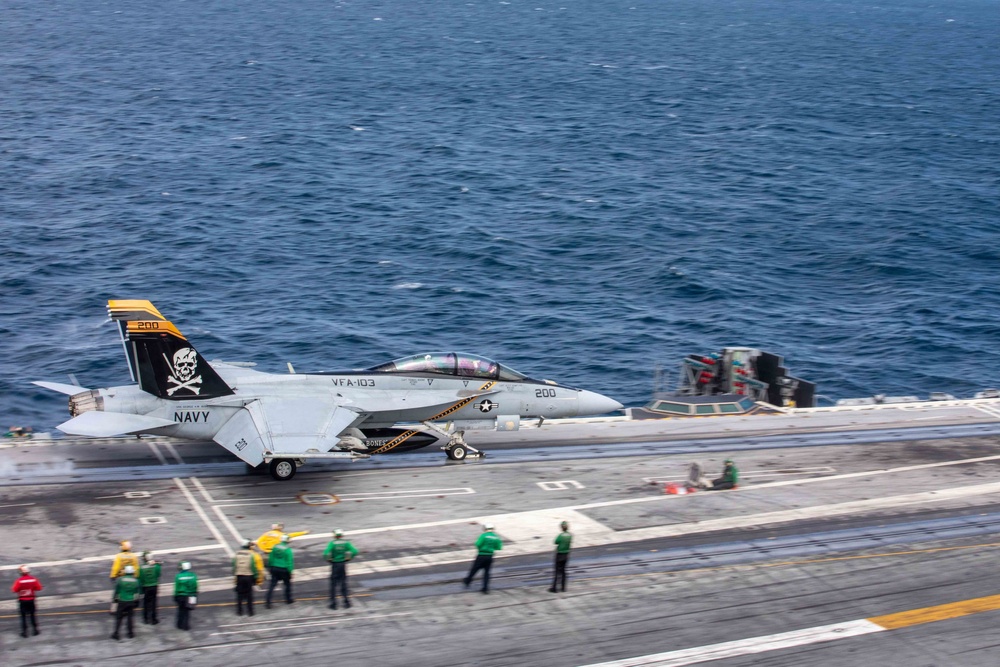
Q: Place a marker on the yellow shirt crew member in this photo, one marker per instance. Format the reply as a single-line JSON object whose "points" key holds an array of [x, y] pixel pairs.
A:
{"points": [[268, 540]]}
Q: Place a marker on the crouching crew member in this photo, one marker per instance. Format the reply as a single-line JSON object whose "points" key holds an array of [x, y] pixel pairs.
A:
{"points": [[127, 596], [26, 586], [730, 476], [281, 563], [563, 541], [246, 573], [185, 594], [486, 545], [149, 579], [337, 553], [272, 538]]}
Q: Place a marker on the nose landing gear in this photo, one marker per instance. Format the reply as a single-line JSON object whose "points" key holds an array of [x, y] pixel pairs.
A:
{"points": [[456, 448]]}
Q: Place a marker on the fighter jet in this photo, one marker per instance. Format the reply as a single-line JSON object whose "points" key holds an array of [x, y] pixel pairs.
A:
{"points": [[281, 420]]}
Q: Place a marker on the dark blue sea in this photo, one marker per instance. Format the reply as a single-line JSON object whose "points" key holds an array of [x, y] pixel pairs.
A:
{"points": [[581, 189]]}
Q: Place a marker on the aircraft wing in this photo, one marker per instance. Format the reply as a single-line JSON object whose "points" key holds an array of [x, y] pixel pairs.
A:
{"points": [[106, 424], [375, 401], [285, 427]]}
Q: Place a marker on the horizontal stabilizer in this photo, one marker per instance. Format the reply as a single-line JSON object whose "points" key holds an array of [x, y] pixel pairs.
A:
{"points": [[68, 389], [105, 424]]}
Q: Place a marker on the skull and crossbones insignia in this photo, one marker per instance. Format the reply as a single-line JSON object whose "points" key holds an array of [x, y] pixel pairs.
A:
{"points": [[183, 371]]}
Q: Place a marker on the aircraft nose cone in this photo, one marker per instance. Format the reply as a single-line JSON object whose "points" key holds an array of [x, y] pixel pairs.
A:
{"points": [[592, 403]]}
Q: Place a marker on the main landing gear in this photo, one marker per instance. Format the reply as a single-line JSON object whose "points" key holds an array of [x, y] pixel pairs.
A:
{"points": [[456, 448], [283, 469]]}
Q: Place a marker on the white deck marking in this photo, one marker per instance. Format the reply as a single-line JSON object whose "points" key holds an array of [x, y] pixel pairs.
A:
{"points": [[560, 485], [691, 656], [204, 517], [97, 559], [388, 495], [173, 452], [991, 410], [222, 517], [156, 452], [19, 505]]}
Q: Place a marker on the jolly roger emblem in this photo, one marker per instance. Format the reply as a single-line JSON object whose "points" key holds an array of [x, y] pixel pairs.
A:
{"points": [[182, 372], [486, 405]]}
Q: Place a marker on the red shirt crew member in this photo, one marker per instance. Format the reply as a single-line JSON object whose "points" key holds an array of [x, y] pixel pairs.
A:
{"points": [[26, 586]]}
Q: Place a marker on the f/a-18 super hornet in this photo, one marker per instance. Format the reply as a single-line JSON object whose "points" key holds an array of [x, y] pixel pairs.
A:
{"points": [[283, 420]]}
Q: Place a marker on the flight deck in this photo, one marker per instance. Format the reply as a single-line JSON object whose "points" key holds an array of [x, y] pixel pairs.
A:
{"points": [[845, 520]]}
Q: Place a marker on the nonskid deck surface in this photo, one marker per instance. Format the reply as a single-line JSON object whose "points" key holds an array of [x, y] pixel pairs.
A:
{"points": [[819, 532]]}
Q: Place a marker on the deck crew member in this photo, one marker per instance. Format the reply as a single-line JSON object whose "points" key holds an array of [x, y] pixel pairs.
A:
{"points": [[486, 545], [268, 540], [246, 573], [149, 579], [127, 596], [26, 586], [337, 553], [185, 594], [281, 563], [563, 541], [124, 557], [730, 476]]}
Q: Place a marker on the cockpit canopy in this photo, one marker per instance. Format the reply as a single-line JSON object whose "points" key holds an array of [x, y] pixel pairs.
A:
{"points": [[452, 363]]}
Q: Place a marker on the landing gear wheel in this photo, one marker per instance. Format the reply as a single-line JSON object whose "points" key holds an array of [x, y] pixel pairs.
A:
{"points": [[282, 469], [457, 452]]}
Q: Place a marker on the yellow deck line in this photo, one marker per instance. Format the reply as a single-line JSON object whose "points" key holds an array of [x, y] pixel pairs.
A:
{"points": [[940, 612]]}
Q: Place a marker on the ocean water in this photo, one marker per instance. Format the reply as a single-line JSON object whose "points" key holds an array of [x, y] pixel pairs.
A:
{"points": [[581, 189]]}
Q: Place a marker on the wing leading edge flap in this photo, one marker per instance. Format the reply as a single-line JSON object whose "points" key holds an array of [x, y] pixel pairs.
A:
{"points": [[106, 424], [285, 426]]}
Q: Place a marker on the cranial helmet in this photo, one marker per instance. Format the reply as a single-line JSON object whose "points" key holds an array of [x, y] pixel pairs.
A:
{"points": [[338, 533], [129, 569], [185, 565]]}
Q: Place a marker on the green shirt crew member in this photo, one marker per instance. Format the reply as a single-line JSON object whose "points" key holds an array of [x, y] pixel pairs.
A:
{"points": [[185, 594], [337, 553], [149, 579], [486, 545], [246, 572], [729, 479], [563, 542], [281, 563], [127, 596]]}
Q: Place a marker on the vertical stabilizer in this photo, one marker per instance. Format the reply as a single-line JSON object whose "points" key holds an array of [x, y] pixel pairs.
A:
{"points": [[123, 310], [166, 365]]}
